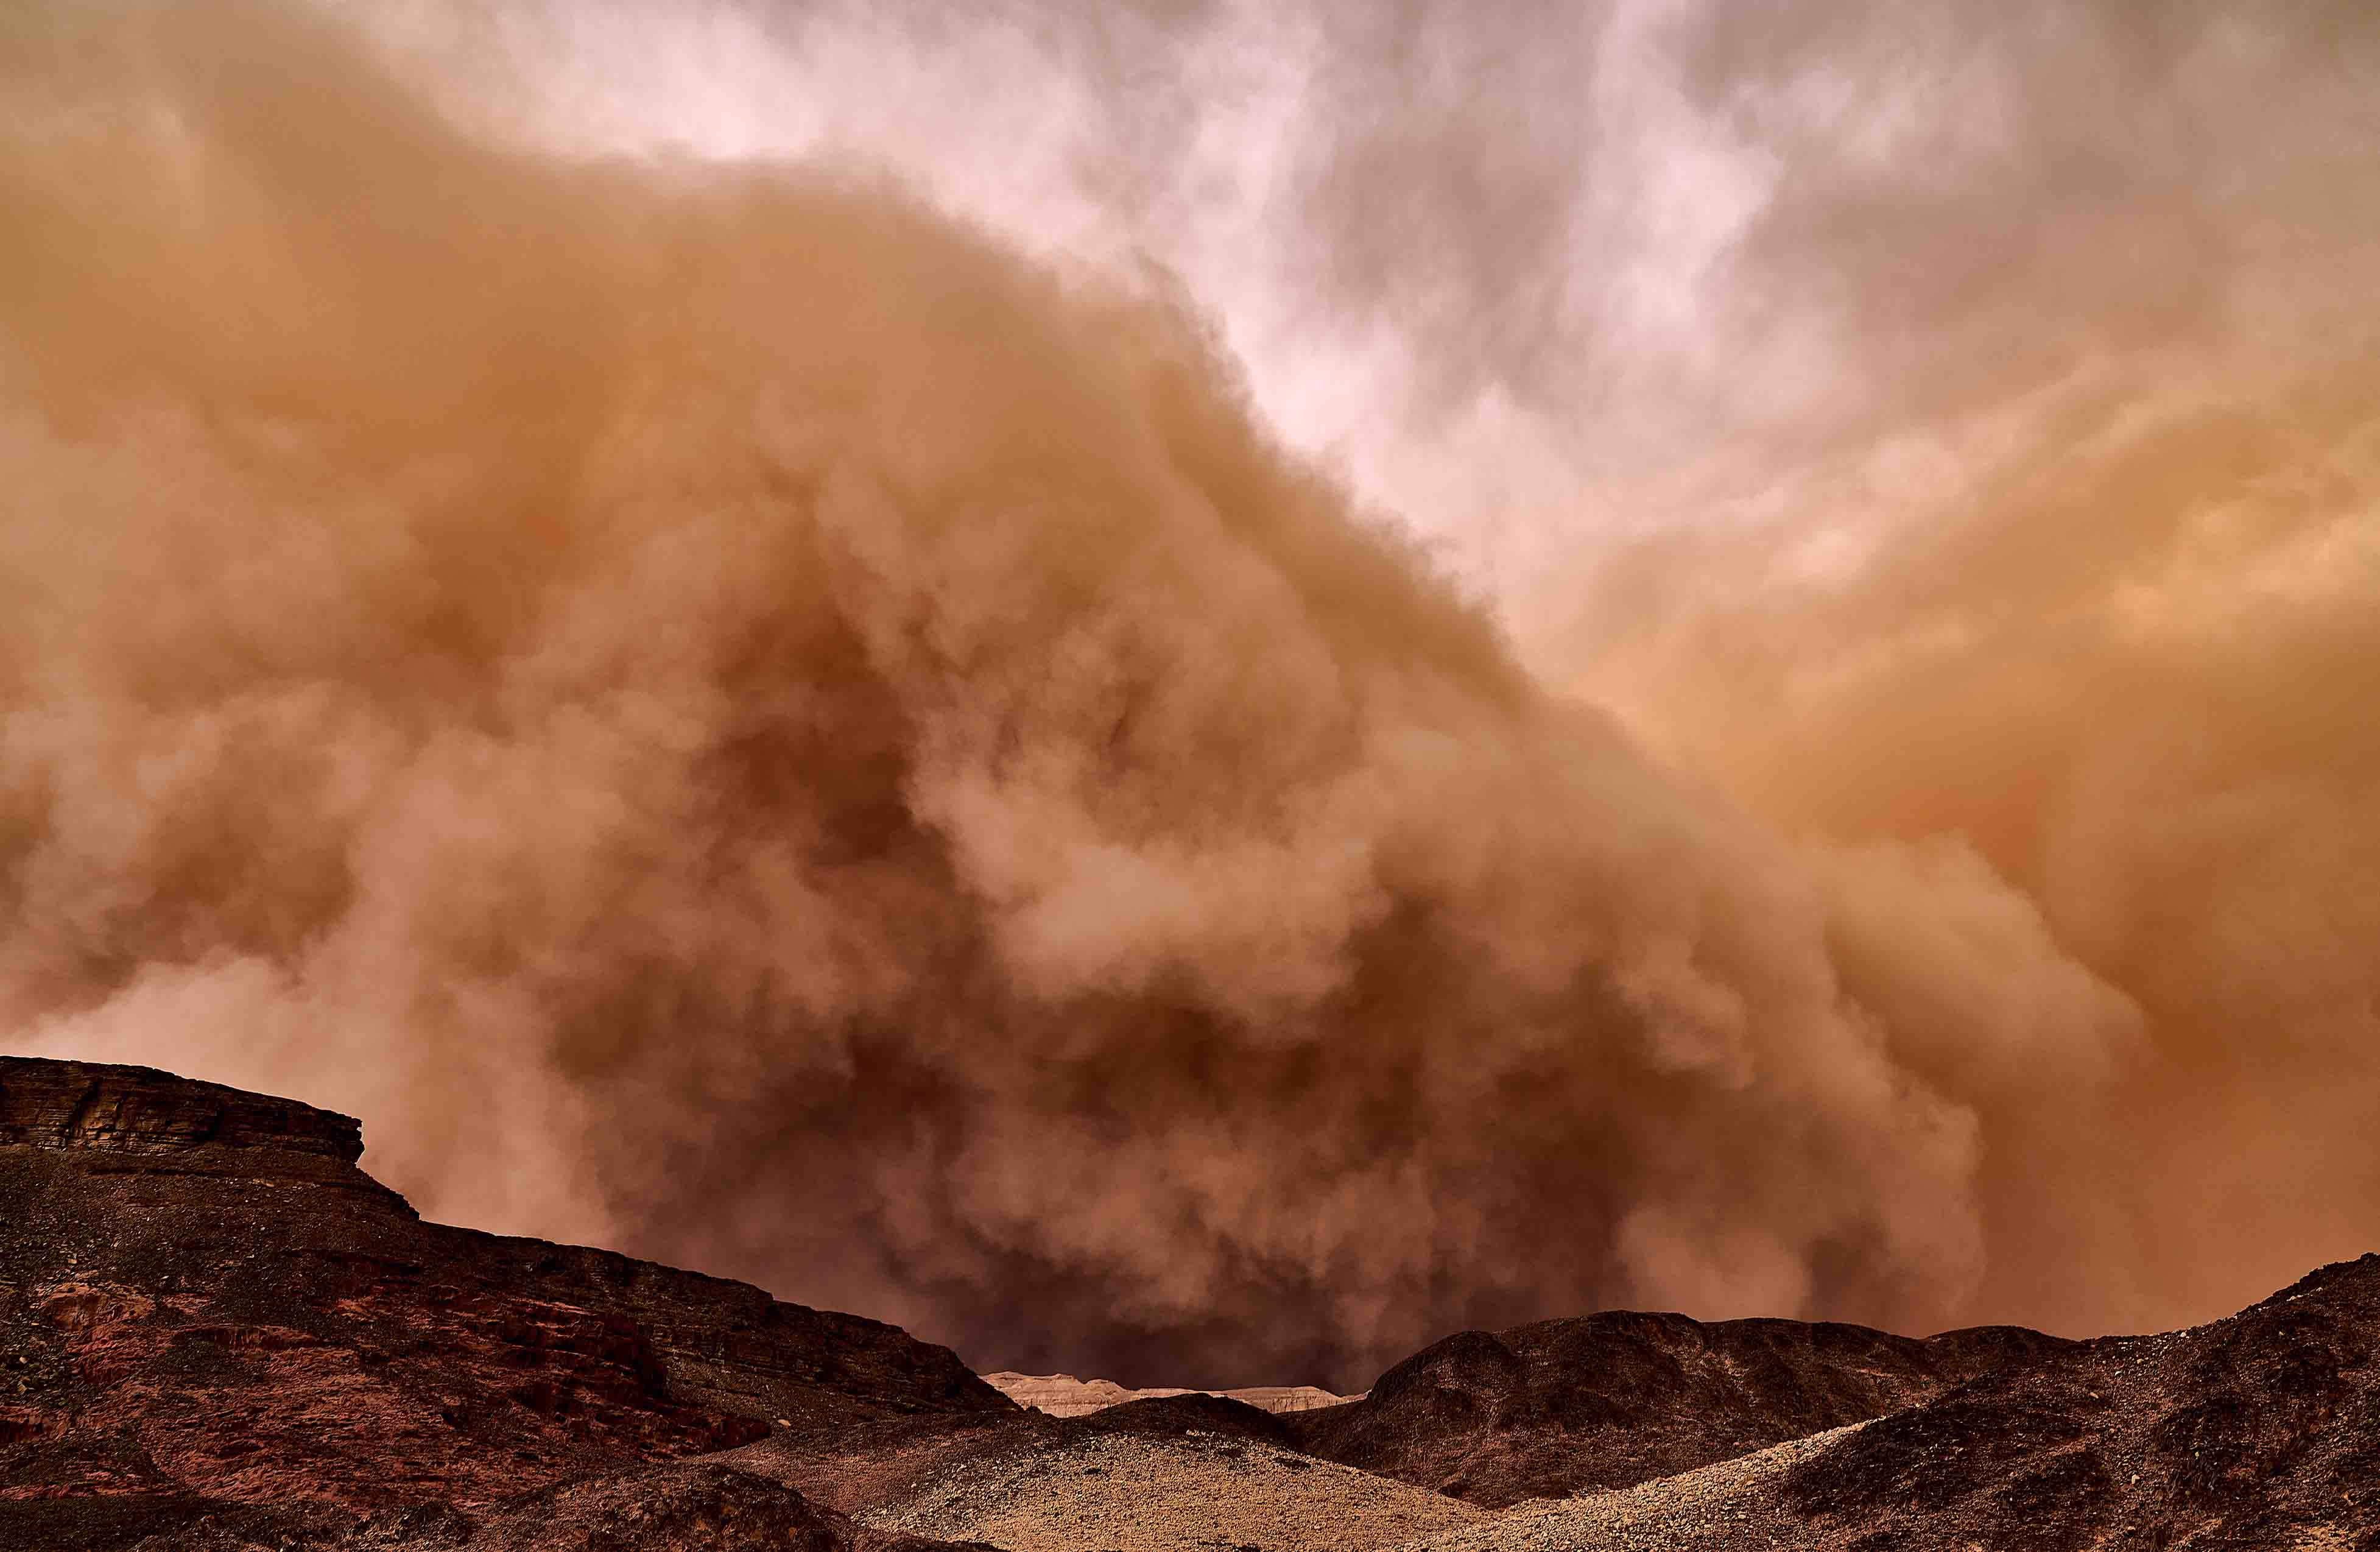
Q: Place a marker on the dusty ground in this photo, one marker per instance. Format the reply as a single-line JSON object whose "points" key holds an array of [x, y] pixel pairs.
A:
{"points": [[1203, 1493], [217, 1335], [1731, 1503]]}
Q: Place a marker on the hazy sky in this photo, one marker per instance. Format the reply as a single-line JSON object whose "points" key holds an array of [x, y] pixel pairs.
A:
{"points": [[1194, 692]]}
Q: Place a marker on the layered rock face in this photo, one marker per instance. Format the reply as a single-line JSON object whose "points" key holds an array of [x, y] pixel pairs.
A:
{"points": [[137, 1110], [209, 1316]]}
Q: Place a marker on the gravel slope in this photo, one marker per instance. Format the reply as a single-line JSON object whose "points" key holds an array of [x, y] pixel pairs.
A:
{"points": [[1731, 1503], [1203, 1493]]}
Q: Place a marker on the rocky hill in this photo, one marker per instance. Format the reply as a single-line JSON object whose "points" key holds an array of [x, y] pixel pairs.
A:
{"points": [[218, 1335], [1602, 1402], [215, 1329], [2259, 1431]]}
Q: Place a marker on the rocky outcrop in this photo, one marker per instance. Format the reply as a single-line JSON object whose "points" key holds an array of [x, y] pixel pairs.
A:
{"points": [[696, 1506], [140, 1111], [209, 1316], [1610, 1400], [2260, 1430]]}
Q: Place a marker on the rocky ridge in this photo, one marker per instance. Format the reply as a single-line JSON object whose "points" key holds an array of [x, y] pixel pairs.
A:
{"points": [[2257, 1433], [214, 1324], [1606, 1400], [217, 1334], [78, 1105]]}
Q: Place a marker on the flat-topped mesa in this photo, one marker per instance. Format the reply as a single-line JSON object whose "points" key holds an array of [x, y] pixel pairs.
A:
{"points": [[110, 1108], [1062, 1395]]}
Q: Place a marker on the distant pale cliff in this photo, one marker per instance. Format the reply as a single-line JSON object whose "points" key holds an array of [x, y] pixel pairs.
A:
{"points": [[1065, 1396]]}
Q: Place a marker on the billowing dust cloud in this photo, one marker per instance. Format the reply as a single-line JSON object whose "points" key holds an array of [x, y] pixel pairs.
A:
{"points": [[2075, 558], [729, 714]]}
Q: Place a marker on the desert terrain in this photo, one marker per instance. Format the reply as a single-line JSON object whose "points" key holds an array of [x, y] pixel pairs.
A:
{"points": [[221, 1335], [1206, 775]]}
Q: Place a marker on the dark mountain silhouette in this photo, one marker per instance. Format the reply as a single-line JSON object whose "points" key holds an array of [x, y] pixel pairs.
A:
{"points": [[1562, 1406], [2261, 1429], [215, 1326], [2257, 1433]]}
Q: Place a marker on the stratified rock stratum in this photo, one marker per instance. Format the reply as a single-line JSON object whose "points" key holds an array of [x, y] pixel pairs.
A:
{"points": [[71, 1105], [216, 1331]]}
